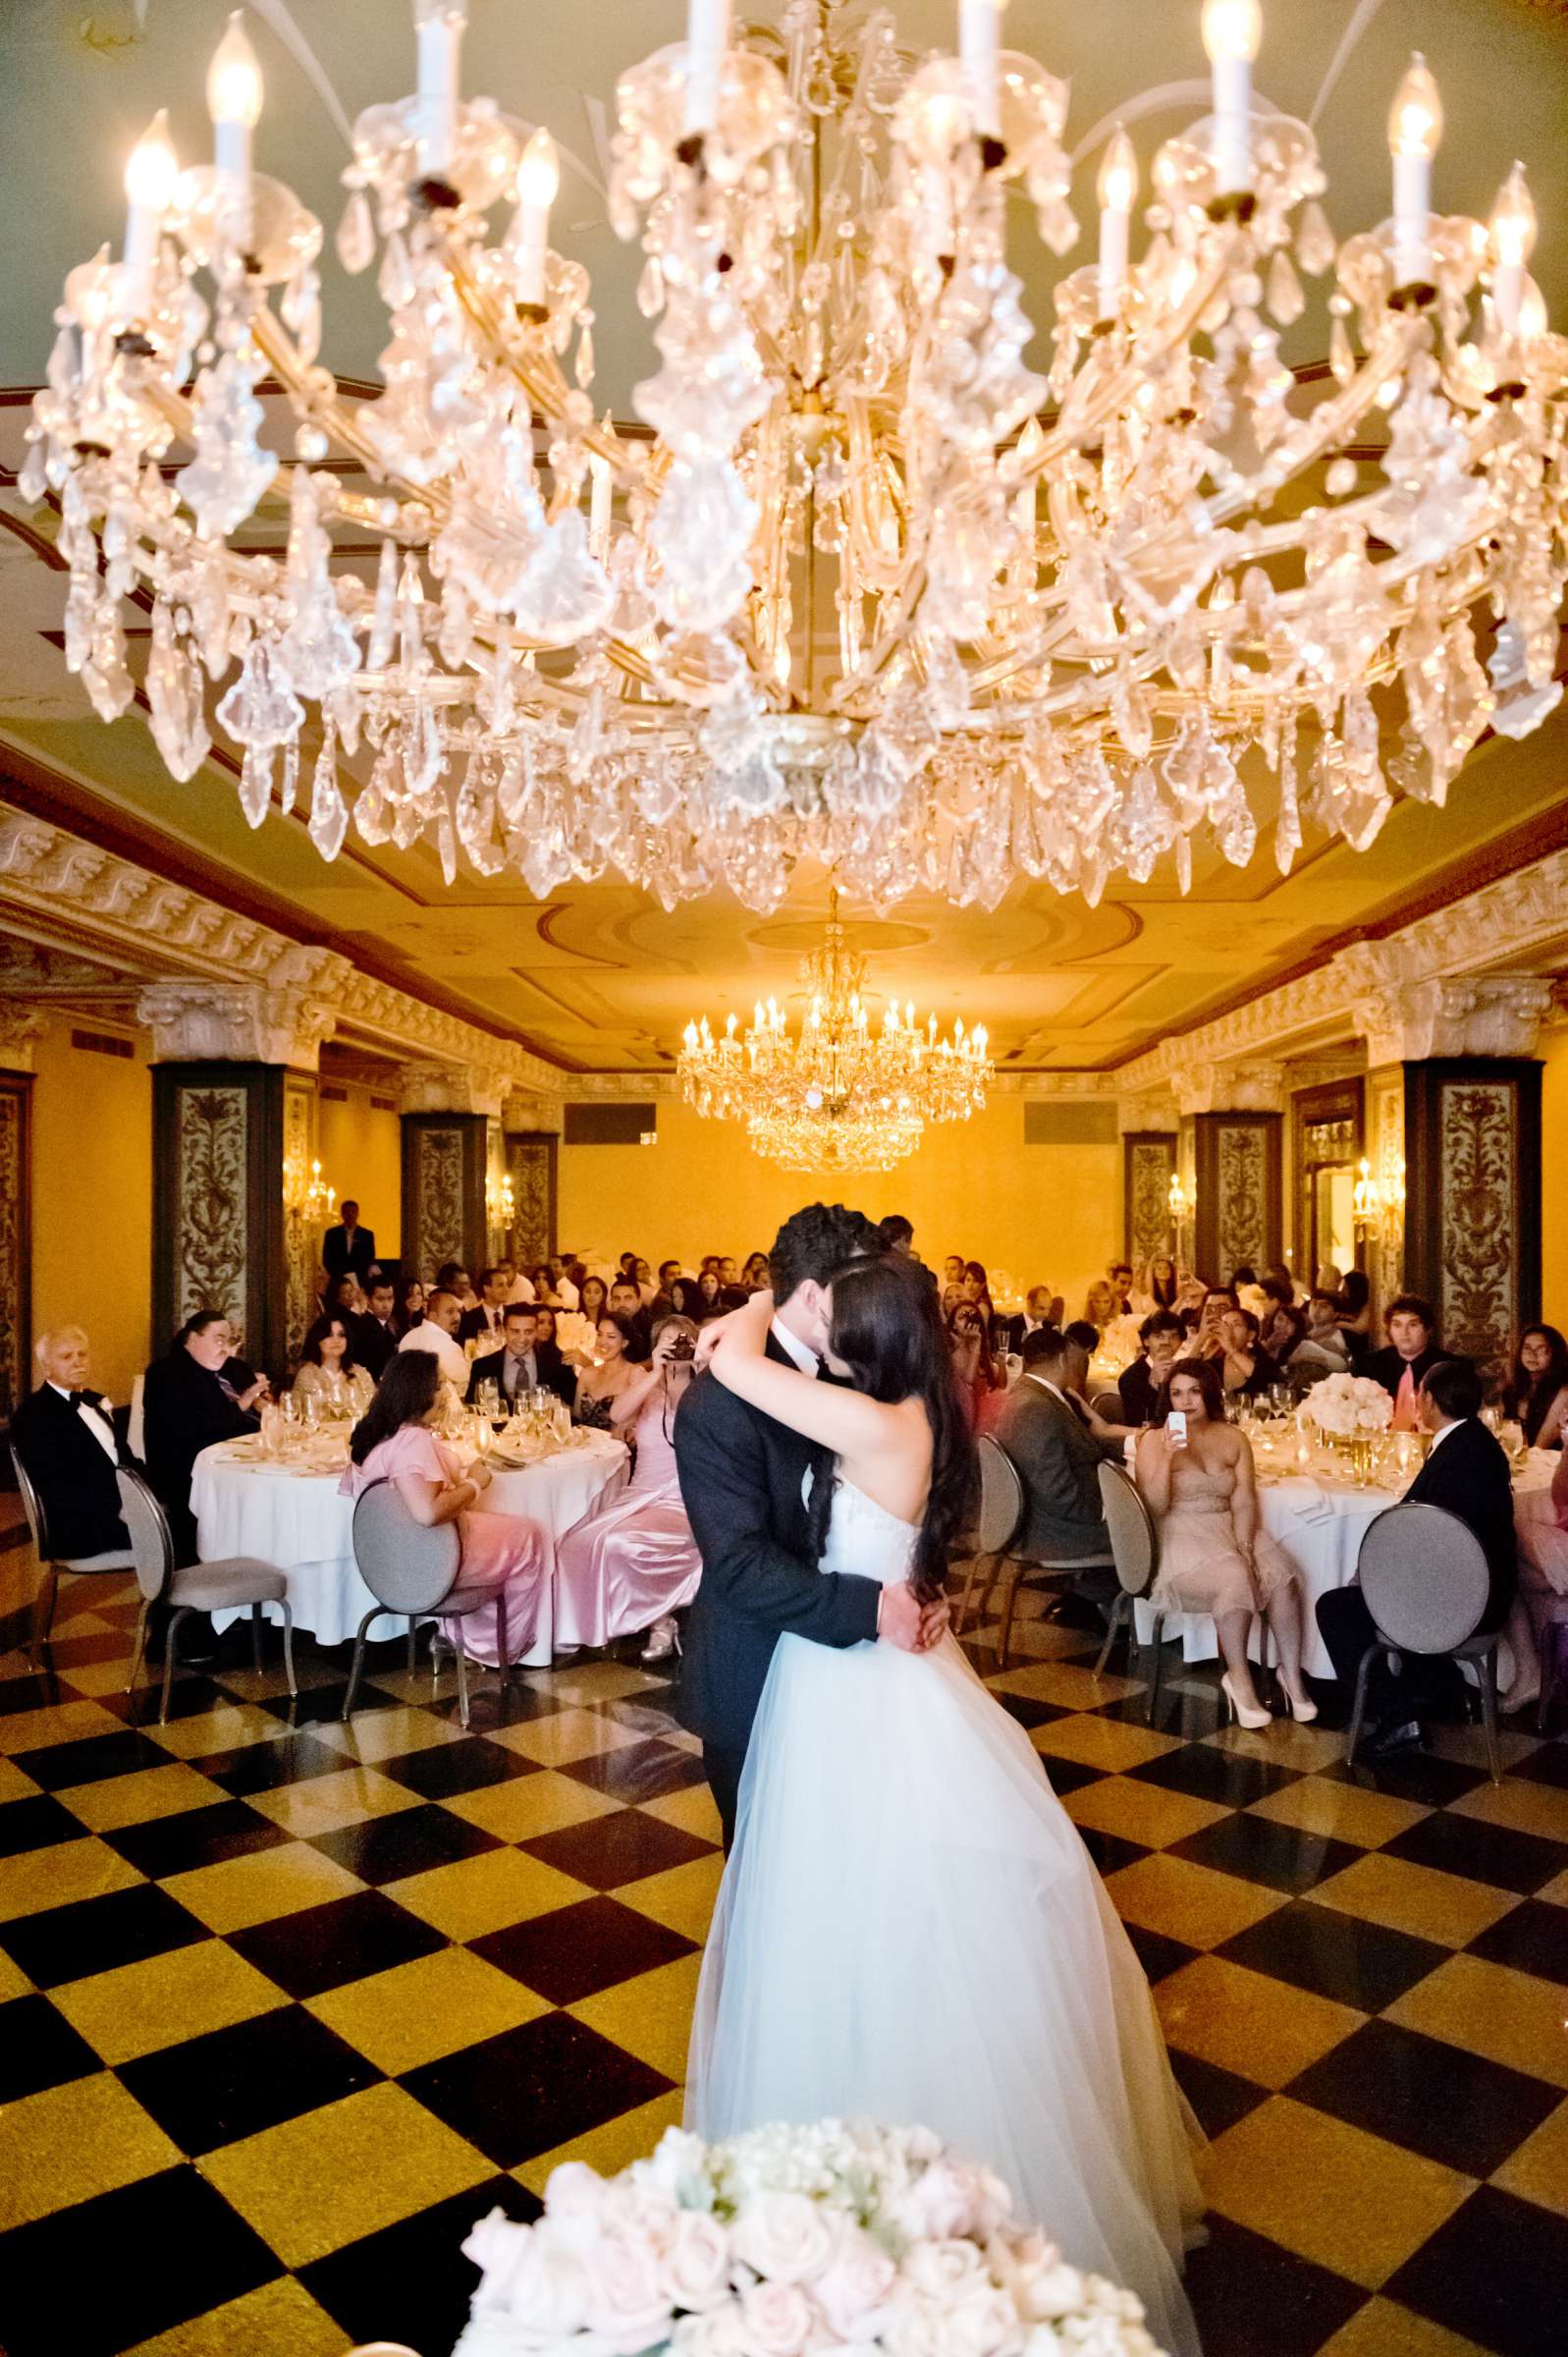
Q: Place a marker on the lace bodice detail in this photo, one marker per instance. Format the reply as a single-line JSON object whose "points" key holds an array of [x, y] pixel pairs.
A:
{"points": [[1196, 1490], [865, 1540]]}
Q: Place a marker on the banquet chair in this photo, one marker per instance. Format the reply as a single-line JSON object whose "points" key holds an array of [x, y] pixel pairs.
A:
{"points": [[52, 1567], [1001, 1512], [216, 1587], [413, 1569], [1424, 1580], [1108, 1403], [1135, 1551]]}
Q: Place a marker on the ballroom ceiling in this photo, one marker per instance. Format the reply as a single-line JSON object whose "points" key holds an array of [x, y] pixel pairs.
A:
{"points": [[600, 979]]}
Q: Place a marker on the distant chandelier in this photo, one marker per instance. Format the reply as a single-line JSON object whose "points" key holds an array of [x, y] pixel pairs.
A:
{"points": [[867, 591], [839, 1097]]}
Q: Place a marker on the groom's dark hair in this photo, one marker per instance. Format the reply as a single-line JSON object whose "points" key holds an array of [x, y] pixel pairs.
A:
{"points": [[815, 1242]]}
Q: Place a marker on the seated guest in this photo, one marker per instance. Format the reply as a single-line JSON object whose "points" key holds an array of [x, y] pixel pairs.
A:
{"points": [[504, 1556], [544, 1289], [1041, 1307], [1084, 1342], [453, 1277], [349, 1250], [612, 1370], [1139, 1384], [562, 1283], [1118, 1276], [375, 1335], [1245, 1368], [754, 1276], [197, 1394], [1467, 1472], [1279, 1274], [953, 1268], [1411, 1350], [1216, 1300], [1355, 1314], [1156, 1281], [344, 1297], [482, 1323], [411, 1307], [437, 1335], [971, 1360], [626, 1301], [1101, 1304], [525, 1362], [1536, 1393], [1326, 1334], [685, 1300], [663, 1301], [1048, 1438], [646, 1282], [593, 1298], [327, 1372], [1215, 1557], [1541, 1525], [977, 1288], [64, 1434], [631, 1563]]}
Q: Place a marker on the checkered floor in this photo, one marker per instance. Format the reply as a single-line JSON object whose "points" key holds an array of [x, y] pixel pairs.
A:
{"points": [[282, 2010]]}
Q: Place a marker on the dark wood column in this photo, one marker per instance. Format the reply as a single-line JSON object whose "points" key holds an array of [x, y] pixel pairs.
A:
{"points": [[1473, 1196], [1238, 1217]]}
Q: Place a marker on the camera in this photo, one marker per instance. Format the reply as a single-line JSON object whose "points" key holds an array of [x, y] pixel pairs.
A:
{"points": [[682, 1348]]}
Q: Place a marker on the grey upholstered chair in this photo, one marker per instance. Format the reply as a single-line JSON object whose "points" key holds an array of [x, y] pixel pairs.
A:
{"points": [[1108, 1403], [52, 1567], [413, 1569], [1001, 1512], [1424, 1577], [218, 1587], [1135, 1549]]}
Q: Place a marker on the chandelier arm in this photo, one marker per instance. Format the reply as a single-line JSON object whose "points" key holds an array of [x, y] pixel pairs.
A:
{"points": [[535, 370]]}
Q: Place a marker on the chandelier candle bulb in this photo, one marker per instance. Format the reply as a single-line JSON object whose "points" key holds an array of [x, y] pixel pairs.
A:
{"points": [[439, 34], [234, 102], [1512, 229], [707, 40], [538, 179], [1415, 128], [1233, 33], [979, 43], [1116, 187], [151, 170]]}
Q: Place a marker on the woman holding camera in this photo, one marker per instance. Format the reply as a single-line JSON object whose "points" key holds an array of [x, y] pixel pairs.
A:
{"points": [[632, 1562]]}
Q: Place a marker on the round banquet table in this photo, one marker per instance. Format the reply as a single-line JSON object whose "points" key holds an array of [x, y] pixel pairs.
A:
{"points": [[1319, 1522], [300, 1520]]}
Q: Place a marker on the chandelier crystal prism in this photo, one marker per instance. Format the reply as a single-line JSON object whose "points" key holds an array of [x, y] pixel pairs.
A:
{"points": [[840, 1096], [860, 587]]}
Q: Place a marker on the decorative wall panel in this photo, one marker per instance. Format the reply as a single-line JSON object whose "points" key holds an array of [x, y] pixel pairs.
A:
{"points": [[211, 1241], [16, 1244], [1385, 1254], [1238, 1219], [218, 1239], [1149, 1164], [443, 1191], [531, 1166], [300, 1234], [1473, 1216]]}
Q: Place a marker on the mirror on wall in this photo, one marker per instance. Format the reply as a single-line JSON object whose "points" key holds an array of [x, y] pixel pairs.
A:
{"points": [[1328, 1131]]}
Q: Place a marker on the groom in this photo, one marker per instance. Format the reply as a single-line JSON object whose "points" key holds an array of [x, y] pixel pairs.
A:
{"points": [[741, 1480]]}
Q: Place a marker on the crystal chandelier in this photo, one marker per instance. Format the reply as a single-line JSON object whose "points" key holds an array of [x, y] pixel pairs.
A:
{"points": [[862, 587], [839, 1097]]}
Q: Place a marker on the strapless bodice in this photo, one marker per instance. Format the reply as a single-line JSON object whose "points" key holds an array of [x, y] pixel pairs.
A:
{"points": [[865, 1540], [1196, 1491]]}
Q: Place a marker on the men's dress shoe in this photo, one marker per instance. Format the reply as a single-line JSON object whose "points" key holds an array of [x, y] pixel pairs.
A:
{"points": [[1406, 1734], [1076, 1612]]}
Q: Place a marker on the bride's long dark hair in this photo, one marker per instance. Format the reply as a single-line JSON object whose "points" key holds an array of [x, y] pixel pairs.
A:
{"points": [[887, 1330]]}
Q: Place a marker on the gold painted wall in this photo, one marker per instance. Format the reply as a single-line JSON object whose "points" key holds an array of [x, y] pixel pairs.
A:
{"points": [[1042, 1213], [92, 1202], [1554, 1163], [361, 1155]]}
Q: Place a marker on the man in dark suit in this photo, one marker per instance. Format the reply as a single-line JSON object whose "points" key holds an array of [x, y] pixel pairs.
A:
{"points": [[64, 1434], [374, 1337], [1411, 1350], [487, 1319], [348, 1250], [625, 1300], [1138, 1385], [1466, 1472], [524, 1363], [742, 1478], [1045, 1429]]}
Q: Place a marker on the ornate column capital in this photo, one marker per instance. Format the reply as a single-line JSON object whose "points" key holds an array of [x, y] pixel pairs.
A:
{"points": [[455, 1088], [1148, 1109], [1231, 1089], [1412, 1021], [239, 1022], [21, 1028]]}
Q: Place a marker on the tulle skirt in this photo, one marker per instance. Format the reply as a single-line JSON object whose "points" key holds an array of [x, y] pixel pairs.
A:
{"points": [[910, 1931], [1202, 1568]]}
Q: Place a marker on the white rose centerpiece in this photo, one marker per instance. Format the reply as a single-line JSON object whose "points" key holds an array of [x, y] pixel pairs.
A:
{"points": [[787, 2242], [575, 1334], [1349, 1408]]}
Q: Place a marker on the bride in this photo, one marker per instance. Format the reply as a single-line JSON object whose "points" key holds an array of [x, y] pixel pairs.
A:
{"points": [[909, 1929]]}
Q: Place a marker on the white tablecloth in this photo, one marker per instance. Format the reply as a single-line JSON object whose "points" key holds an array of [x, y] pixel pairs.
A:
{"points": [[300, 1522]]}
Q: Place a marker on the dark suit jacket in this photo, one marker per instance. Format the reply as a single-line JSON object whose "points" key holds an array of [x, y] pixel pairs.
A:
{"points": [[1058, 1460], [473, 1321], [740, 1480], [184, 1410], [373, 1346], [73, 1475], [1468, 1475], [343, 1249], [1387, 1367], [1139, 1391], [552, 1370]]}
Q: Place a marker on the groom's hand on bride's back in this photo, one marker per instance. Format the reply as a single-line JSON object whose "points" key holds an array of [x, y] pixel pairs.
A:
{"points": [[903, 1620]]}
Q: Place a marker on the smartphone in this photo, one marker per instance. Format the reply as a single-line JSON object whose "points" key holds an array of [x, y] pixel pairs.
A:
{"points": [[1176, 1426]]}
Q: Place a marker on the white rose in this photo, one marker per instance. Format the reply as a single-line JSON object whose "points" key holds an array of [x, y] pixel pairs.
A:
{"points": [[493, 2245], [851, 2289], [576, 2199], [626, 2306], [545, 2289], [783, 2236], [942, 2199], [717, 2332], [696, 2264], [677, 2167], [971, 2316], [776, 2320]]}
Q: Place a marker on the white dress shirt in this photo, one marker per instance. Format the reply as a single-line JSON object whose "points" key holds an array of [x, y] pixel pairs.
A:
{"points": [[567, 1295], [96, 1420], [521, 1288], [802, 1354], [449, 1354]]}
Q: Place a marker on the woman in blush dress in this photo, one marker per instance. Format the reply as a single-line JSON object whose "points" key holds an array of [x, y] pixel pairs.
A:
{"points": [[504, 1556], [1198, 1482], [606, 1374], [327, 1369], [631, 1564]]}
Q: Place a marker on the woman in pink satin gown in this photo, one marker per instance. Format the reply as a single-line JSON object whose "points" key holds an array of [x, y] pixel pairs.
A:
{"points": [[505, 1557], [632, 1562]]}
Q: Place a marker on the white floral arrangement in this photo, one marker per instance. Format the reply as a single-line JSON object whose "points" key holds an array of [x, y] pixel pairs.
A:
{"points": [[787, 2242], [1120, 1344], [1348, 1405], [574, 1332]]}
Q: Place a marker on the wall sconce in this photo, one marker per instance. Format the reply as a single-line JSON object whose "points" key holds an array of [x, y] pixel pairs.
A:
{"points": [[1177, 1200], [501, 1202], [1377, 1197], [306, 1194]]}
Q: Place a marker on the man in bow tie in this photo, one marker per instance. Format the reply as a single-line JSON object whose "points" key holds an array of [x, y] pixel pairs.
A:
{"points": [[64, 1435]]}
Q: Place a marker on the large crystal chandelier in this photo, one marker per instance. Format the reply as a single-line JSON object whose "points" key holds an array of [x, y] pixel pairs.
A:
{"points": [[840, 1096], [862, 587]]}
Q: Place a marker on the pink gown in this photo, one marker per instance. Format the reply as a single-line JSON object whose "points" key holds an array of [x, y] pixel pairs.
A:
{"points": [[631, 1561], [1202, 1568], [505, 1557]]}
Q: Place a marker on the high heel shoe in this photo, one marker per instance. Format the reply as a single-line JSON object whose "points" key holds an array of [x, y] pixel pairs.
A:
{"points": [[1239, 1710], [664, 1639], [1303, 1711]]}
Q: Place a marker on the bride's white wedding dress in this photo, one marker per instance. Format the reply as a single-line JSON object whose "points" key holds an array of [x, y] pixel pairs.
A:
{"points": [[910, 1931]]}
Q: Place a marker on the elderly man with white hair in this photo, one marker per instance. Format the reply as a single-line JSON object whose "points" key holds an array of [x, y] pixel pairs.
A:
{"points": [[64, 1434]]}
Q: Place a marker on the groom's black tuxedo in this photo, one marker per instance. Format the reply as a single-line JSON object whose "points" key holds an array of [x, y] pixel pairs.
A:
{"points": [[741, 1481]]}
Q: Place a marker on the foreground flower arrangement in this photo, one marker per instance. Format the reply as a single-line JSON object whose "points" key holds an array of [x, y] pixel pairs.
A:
{"points": [[1347, 1406], [788, 2242]]}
